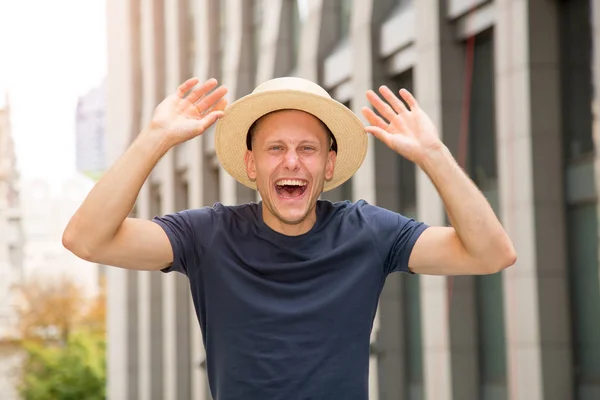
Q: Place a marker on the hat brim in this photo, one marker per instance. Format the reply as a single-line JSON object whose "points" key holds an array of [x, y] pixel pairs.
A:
{"points": [[232, 130]]}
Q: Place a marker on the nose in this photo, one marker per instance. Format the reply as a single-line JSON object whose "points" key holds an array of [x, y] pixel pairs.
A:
{"points": [[290, 160]]}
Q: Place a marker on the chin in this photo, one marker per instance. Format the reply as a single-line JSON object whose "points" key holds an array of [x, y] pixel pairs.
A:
{"points": [[291, 213], [292, 217]]}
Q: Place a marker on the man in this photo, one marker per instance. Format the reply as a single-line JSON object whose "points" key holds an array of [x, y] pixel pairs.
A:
{"points": [[286, 290]]}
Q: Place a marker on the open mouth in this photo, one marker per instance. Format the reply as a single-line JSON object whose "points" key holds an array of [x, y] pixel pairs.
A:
{"points": [[290, 188]]}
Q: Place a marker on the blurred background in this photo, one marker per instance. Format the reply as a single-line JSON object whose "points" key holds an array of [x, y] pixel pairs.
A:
{"points": [[511, 84]]}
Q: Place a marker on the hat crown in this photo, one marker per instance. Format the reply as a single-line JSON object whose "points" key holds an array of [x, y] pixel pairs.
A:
{"points": [[291, 83], [290, 93]]}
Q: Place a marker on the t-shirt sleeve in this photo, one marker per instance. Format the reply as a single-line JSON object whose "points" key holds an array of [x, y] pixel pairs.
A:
{"points": [[189, 232], [395, 236]]}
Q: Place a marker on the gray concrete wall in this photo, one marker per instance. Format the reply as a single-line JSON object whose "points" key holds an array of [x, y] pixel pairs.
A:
{"points": [[153, 311]]}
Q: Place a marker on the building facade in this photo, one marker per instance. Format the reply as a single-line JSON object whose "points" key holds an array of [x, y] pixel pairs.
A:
{"points": [[510, 85], [11, 254], [90, 120], [11, 230]]}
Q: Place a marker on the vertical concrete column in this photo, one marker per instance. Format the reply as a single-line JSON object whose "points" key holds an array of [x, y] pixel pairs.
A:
{"points": [[150, 290], [117, 318], [230, 62], [363, 182], [387, 376], [450, 348], [530, 177], [274, 57], [310, 38], [169, 310], [175, 23], [121, 54], [143, 311], [271, 33], [427, 77], [205, 66], [133, 333], [239, 75], [461, 301], [517, 199], [195, 200]]}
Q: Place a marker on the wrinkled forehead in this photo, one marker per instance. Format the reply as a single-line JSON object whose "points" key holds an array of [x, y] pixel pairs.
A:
{"points": [[291, 116]]}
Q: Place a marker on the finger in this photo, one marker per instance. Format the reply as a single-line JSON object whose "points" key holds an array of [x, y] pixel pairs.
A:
{"points": [[373, 118], [409, 98], [186, 86], [211, 99], [197, 93], [384, 109], [394, 101], [380, 134], [394, 142], [209, 119], [220, 106]]}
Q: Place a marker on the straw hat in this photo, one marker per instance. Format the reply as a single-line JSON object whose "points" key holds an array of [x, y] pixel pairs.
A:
{"points": [[284, 94]]}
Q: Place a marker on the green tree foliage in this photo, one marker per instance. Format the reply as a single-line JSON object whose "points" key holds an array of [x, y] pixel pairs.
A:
{"points": [[64, 341], [74, 371]]}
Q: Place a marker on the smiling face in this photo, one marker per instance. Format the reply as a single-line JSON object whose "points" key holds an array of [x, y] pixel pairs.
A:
{"points": [[290, 161]]}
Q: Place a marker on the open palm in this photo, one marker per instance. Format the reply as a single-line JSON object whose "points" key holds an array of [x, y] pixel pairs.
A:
{"points": [[184, 117], [410, 133]]}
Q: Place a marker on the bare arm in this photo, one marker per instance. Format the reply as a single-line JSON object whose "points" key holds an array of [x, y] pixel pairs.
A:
{"points": [[476, 243], [100, 230]]}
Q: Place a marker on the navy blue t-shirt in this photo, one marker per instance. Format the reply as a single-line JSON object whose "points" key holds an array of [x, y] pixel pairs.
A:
{"points": [[288, 317]]}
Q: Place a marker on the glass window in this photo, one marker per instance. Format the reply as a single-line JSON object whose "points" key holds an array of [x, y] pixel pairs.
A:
{"points": [[222, 37], [481, 160], [244, 194], [181, 192], [155, 200], [191, 39], [582, 236], [482, 167], [342, 192], [345, 7], [257, 31], [582, 215], [295, 31], [576, 77], [413, 343], [407, 177], [406, 198], [211, 182]]}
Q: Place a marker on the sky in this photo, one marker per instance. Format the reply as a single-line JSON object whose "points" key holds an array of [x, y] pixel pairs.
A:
{"points": [[51, 52]]}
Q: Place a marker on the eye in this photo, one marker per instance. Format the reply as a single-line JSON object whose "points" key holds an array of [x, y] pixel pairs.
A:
{"points": [[308, 148], [275, 148]]}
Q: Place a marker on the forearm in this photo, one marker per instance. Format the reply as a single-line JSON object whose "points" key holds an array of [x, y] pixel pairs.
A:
{"points": [[469, 212], [111, 200]]}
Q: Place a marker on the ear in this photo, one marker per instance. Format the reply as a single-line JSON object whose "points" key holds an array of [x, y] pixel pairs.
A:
{"points": [[250, 165], [330, 166]]}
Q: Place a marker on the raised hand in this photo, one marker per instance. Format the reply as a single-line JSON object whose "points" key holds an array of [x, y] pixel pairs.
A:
{"points": [[410, 133], [182, 117]]}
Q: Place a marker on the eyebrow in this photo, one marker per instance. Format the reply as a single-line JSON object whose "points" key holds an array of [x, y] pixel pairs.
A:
{"points": [[302, 142]]}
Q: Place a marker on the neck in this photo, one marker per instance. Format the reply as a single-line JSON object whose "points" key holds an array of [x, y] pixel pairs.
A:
{"points": [[286, 228]]}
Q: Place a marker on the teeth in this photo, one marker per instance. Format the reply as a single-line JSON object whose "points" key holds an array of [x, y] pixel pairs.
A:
{"points": [[290, 182]]}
